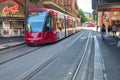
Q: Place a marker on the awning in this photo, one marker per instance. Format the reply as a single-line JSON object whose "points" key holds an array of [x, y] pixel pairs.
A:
{"points": [[108, 9]]}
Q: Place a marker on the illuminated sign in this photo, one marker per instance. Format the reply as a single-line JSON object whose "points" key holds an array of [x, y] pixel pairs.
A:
{"points": [[13, 9]]}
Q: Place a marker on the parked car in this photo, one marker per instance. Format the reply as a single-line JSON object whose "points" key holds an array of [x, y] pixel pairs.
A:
{"points": [[91, 25]]}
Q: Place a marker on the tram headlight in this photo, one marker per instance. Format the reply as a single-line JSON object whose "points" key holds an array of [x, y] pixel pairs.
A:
{"points": [[28, 27]]}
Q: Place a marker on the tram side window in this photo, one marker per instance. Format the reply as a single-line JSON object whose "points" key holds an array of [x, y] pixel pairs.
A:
{"points": [[73, 24], [63, 24], [68, 24], [49, 23], [78, 24], [0, 24], [60, 24]]}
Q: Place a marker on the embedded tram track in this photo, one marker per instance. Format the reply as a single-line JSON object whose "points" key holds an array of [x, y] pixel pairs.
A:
{"points": [[12, 49], [77, 70], [17, 56], [30, 73]]}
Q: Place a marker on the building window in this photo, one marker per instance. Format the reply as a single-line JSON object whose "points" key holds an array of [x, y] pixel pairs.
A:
{"points": [[15, 24]]}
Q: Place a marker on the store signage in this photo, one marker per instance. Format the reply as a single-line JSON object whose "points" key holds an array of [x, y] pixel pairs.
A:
{"points": [[13, 9]]}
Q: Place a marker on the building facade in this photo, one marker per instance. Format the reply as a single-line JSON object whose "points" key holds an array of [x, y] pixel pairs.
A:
{"points": [[94, 4], [12, 13], [66, 6], [11, 18], [108, 13]]}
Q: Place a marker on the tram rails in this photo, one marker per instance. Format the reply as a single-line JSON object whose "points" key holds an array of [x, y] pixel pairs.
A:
{"points": [[52, 57], [42, 66], [83, 63], [14, 53], [8, 55]]}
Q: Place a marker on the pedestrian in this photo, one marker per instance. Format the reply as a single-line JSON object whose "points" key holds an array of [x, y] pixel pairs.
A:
{"points": [[103, 31], [109, 29], [114, 29], [97, 28]]}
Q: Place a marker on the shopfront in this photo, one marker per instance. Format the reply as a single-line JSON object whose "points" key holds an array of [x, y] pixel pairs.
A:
{"points": [[11, 19], [109, 14], [109, 18]]}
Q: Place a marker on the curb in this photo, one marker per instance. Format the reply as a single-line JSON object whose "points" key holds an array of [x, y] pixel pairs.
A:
{"points": [[9, 45], [98, 65]]}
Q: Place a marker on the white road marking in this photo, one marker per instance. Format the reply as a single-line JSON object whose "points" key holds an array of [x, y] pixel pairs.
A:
{"points": [[98, 63]]}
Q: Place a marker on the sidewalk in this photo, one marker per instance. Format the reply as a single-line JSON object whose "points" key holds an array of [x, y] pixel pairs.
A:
{"points": [[107, 57], [94, 29], [7, 42], [110, 57]]}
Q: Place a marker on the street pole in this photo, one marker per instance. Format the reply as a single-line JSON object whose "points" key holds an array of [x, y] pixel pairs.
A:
{"points": [[65, 12], [25, 14], [65, 23]]}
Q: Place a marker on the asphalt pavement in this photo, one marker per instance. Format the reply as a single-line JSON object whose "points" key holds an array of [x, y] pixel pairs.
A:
{"points": [[110, 51]]}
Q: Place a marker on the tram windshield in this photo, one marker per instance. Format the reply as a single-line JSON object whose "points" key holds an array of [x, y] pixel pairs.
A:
{"points": [[35, 21]]}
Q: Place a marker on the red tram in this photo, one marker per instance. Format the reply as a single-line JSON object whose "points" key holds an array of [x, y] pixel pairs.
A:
{"points": [[48, 25]]}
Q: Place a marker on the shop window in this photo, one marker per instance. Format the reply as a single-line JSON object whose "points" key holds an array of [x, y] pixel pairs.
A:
{"points": [[14, 24], [60, 24]]}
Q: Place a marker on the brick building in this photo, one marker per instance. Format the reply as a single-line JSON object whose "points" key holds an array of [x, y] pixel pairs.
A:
{"points": [[66, 6]]}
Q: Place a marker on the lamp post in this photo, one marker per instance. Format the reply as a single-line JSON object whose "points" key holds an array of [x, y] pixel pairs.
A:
{"points": [[25, 13], [65, 12]]}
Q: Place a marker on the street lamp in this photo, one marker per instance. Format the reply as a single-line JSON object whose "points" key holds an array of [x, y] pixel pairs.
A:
{"points": [[65, 12], [25, 13]]}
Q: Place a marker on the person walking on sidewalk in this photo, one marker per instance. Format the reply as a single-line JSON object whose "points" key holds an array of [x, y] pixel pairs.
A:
{"points": [[114, 29], [103, 31], [109, 29], [97, 28]]}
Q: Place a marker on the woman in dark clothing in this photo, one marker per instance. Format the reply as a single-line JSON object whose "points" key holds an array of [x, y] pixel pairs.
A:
{"points": [[109, 29], [103, 31]]}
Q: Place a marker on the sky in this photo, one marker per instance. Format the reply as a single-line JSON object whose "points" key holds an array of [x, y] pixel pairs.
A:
{"points": [[85, 5]]}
